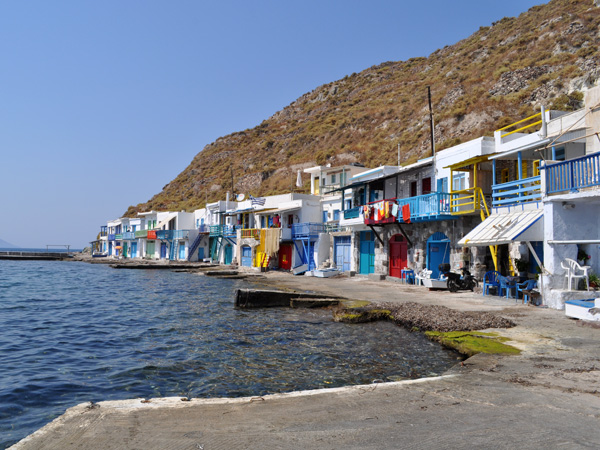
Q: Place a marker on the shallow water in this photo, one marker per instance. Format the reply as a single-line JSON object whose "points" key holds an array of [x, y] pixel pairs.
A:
{"points": [[74, 332]]}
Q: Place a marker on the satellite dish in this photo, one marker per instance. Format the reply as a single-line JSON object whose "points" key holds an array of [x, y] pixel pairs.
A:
{"points": [[240, 197]]}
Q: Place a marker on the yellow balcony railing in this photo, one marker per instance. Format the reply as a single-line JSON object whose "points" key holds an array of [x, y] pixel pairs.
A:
{"points": [[250, 233], [468, 201], [524, 127]]}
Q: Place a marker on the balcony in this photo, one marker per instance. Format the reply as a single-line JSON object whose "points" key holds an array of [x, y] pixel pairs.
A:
{"points": [[181, 234], [426, 208], [251, 233], [203, 228], [519, 191], [379, 213], [215, 230], [352, 213], [164, 235], [574, 174], [230, 231], [467, 201], [307, 230], [103, 232], [118, 236], [223, 230], [141, 234], [111, 237], [128, 235]]}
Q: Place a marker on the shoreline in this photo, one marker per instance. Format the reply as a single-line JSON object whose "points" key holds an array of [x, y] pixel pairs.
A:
{"points": [[545, 396]]}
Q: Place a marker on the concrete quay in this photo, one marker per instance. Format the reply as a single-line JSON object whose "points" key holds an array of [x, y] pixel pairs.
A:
{"points": [[548, 396]]}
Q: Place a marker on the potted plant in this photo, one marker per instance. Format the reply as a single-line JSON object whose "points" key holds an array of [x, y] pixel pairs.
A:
{"points": [[594, 281], [521, 266]]}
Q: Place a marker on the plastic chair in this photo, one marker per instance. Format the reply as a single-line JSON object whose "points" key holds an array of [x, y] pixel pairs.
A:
{"points": [[575, 272], [490, 279], [506, 286], [525, 289], [423, 274]]}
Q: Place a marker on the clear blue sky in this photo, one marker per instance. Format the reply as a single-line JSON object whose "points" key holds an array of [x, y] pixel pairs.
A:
{"points": [[103, 103]]}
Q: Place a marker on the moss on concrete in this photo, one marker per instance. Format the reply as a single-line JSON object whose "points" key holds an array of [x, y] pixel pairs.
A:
{"points": [[363, 316], [470, 343]]}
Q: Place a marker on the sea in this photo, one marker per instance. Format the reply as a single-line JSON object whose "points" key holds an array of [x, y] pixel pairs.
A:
{"points": [[72, 332]]}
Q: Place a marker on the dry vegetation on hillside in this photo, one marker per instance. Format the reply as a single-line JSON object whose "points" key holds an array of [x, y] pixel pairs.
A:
{"points": [[501, 73]]}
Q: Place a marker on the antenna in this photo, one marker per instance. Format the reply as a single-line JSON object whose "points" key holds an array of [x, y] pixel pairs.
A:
{"points": [[240, 197]]}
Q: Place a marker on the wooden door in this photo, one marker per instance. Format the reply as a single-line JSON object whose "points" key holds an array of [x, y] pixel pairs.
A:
{"points": [[398, 255], [285, 257]]}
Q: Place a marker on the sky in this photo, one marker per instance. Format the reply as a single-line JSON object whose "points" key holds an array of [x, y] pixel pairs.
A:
{"points": [[104, 103]]}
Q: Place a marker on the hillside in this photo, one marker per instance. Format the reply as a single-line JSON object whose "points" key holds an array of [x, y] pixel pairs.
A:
{"points": [[503, 72]]}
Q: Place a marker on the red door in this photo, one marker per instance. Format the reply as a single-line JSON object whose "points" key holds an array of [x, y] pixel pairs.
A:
{"points": [[285, 257], [398, 255]]}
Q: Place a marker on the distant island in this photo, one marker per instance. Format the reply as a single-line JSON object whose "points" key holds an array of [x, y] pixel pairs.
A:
{"points": [[4, 244]]}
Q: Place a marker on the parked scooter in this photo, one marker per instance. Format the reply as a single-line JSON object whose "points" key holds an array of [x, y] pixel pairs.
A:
{"points": [[456, 281]]}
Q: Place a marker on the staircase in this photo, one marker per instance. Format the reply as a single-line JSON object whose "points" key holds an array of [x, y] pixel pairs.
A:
{"points": [[194, 246], [172, 249]]}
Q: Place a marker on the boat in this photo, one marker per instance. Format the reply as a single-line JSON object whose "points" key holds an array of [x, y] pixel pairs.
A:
{"points": [[588, 309], [435, 283], [325, 273]]}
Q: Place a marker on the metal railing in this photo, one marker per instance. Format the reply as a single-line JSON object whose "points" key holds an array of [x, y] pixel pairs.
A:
{"points": [[518, 191], [307, 229], [525, 127], [141, 234], [573, 174], [164, 235], [181, 234], [128, 235], [111, 237]]}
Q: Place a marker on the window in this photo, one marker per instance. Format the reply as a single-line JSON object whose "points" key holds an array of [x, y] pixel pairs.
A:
{"points": [[558, 153], [504, 176], [459, 181], [336, 214], [523, 168], [536, 168], [348, 204], [333, 179], [413, 188], [426, 185]]}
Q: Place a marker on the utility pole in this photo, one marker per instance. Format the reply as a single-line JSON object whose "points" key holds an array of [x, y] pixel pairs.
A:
{"points": [[398, 154], [431, 121]]}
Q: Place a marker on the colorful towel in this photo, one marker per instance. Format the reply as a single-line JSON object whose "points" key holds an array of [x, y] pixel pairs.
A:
{"points": [[406, 213]]}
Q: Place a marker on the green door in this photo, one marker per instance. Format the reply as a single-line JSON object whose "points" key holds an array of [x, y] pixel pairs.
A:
{"points": [[150, 248], [228, 254]]}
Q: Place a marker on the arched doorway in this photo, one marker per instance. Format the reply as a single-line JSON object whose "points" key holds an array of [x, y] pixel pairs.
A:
{"points": [[438, 252], [398, 255]]}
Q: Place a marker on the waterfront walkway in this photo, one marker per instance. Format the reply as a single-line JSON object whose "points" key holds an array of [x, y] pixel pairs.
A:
{"points": [[546, 397]]}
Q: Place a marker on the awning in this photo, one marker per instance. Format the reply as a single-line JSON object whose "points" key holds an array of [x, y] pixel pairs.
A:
{"points": [[282, 210], [505, 228]]}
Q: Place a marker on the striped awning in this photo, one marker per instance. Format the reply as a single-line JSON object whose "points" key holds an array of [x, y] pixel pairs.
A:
{"points": [[498, 229]]}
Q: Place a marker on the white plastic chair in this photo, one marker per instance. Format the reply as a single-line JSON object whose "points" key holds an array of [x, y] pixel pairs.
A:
{"points": [[422, 275], [575, 272]]}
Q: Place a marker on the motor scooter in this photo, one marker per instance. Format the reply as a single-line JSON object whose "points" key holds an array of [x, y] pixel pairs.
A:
{"points": [[466, 281]]}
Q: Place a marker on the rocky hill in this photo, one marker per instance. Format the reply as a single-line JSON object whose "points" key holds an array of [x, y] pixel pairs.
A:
{"points": [[503, 72]]}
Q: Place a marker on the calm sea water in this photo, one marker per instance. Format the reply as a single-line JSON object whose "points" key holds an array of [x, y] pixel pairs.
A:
{"points": [[74, 332]]}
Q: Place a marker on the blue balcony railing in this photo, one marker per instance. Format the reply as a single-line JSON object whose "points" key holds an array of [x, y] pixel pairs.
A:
{"points": [[230, 230], [223, 230], [215, 230], [573, 174], [164, 235], [181, 234], [307, 230], [352, 213], [428, 207], [203, 228], [518, 191], [111, 237], [129, 235]]}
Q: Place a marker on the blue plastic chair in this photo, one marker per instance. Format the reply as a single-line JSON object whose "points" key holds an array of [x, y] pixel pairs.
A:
{"points": [[490, 279], [507, 286], [525, 289]]}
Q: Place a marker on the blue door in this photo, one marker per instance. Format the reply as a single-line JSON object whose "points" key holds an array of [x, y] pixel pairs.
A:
{"points": [[367, 252], [247, 256], [163, 250], [438, 252], [200, 253], [228, 254], [342, 253], [134, 249], [182, 250]]}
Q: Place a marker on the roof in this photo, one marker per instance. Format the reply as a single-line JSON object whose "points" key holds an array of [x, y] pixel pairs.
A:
{"points": [[505, 228], [470, 161]]}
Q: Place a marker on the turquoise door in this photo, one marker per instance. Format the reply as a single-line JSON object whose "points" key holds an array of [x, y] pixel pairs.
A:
{"points": [[134, 249], [247, 256], [182, 250], [200, 253], [367, 252], [228, 254], [438, 252]]}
